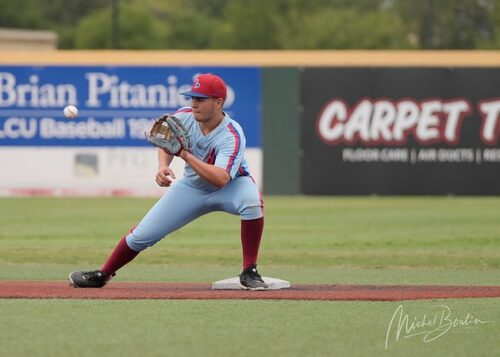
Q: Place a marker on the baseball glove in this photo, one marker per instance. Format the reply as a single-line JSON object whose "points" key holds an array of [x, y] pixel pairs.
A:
{"points": [[169, 133]]}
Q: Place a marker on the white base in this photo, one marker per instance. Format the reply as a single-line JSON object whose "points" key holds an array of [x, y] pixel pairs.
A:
{"points": [[234, 284]]}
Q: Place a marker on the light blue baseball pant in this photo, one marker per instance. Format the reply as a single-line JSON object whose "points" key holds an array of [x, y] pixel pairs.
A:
{"points": [[183, 203]]}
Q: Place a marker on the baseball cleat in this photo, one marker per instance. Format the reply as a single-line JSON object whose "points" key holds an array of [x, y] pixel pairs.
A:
{"points": [[250, 279], [88, 279]]}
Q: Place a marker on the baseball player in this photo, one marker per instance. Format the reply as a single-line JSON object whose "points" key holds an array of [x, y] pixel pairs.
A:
{"points": [[216, 178]]}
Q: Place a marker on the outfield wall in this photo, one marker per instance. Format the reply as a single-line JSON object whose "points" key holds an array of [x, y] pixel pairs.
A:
{"points": [[103, 151], [400, 131], [317, 122]]}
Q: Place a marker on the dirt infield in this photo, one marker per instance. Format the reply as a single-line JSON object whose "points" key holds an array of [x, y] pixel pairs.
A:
{"points": [[199, 291]]}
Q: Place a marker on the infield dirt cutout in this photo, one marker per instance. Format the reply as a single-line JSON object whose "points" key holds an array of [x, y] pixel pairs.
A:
{"points": [[203, 291]]}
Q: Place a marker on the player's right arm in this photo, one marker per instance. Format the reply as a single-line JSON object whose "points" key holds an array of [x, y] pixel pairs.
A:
{"points": [[165, 174]]}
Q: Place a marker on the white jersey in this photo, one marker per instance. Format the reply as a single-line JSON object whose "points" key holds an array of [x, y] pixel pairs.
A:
{"points": [[223, 147]]}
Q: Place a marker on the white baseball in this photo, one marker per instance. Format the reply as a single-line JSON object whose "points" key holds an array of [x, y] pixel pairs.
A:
{"points": [[70, 112]]}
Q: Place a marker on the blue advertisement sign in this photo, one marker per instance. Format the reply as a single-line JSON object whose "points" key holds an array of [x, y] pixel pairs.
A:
{"points": [[116, 104]]}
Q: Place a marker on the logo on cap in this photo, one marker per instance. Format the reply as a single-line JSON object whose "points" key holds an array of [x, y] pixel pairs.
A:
{"points": [[208, 86]]}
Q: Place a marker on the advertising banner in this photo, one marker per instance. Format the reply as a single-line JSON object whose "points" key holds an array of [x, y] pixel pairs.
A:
{"points": [[115, 104], [400, 131]]}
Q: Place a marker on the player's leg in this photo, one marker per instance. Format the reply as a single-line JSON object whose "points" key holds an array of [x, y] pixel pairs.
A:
{"points": [[242, 197], [179, 206]]}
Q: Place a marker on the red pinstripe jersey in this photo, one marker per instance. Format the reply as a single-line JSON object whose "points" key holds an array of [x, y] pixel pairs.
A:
{"points": [[223, 147]]}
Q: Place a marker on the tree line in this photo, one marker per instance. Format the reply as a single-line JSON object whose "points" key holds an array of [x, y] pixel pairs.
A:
{"points": [[261, 24]]}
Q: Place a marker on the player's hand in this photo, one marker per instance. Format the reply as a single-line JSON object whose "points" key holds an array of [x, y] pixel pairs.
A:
{"points": [[183, 154], [164, 176]]}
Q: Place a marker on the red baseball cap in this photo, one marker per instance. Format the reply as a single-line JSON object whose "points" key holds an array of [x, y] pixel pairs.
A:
{"points": [[207, 86]]}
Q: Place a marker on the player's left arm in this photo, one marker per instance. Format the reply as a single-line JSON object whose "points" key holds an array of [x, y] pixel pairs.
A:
{"points": [[231, 151], [214, 175]]}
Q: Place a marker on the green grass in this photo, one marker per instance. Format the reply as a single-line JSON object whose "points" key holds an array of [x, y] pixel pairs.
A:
{"points": [[339, 240], [311, 232], [234, 328]]}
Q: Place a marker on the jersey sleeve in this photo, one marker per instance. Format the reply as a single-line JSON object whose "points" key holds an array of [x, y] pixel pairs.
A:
{"points": [[182, 113], [231, 151]]}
